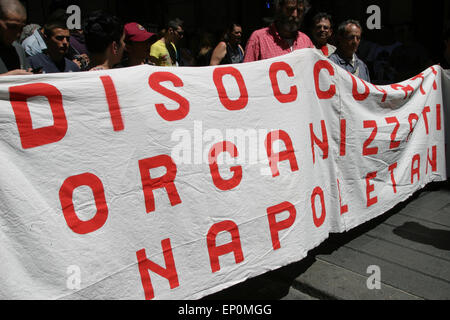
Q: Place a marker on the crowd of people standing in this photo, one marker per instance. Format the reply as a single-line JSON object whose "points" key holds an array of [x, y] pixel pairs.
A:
{"points": [[105, 43]]}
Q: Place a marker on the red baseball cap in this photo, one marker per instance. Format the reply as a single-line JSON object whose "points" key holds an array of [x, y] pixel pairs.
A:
{"points": [[134, 32]]}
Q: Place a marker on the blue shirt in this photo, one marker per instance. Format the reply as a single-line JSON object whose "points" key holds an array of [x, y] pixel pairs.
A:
{"points": [[48, 66], [356, 66]]}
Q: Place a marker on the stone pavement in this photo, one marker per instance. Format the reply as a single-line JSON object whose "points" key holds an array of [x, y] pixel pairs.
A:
{"points": [[410, 244]]}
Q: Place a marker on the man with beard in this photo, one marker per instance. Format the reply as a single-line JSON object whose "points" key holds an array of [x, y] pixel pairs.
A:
{"points": [[348, 40], [229, 50], [282, 36]]}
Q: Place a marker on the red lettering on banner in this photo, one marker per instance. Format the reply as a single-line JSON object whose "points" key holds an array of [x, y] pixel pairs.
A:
{"points": [[146, 265], [165, 182], [276, 227], [343, 137], [155, 81], [438, 117], [29, 137], [231, 105], [394, 183], [323, 144], [425, 111], [344, 209], [415, 170], [282, 97], [320, 65], [318, 222], [275, 158], [370, 188], [113, 103], [435, 74], [359, 96], [366, 150], [420, 76], [66, 199], [219, 182], [433, 161], [234, 246], [412, 117], [393, 120], [406, 89], [384, 92]]}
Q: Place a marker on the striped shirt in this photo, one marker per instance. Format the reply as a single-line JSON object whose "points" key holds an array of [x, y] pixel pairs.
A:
{"points": [[267, 43]]}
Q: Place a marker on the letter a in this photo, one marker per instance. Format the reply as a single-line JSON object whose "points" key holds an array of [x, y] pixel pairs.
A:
{"points": [[374, 21], [234, 246]]}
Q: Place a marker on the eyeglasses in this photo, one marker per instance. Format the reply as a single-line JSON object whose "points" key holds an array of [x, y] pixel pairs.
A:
{"points": [[180, 33]]}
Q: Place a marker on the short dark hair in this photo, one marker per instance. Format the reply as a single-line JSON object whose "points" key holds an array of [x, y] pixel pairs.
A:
{"points": [[100, 30], [175, 23], [58, 19], [322, 15], [343, 26]]}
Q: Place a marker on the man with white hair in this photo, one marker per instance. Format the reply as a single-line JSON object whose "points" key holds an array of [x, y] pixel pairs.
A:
{"points": [[13, 17]]}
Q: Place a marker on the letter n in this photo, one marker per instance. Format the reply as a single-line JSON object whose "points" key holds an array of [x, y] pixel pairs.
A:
{"points": [[216, 251], [166, 182], [31, 138], [322, 144], [145, 265], [432, 161]]}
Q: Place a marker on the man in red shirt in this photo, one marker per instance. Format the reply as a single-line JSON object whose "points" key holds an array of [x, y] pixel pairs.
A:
{"points": [[282, 36]]}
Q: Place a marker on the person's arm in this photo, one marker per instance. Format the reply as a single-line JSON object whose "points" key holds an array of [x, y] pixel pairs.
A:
{"points": [[242, 50], [218, 54], [17, 72]]}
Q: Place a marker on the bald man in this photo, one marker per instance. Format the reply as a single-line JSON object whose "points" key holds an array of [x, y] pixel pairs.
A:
{"points": [[13, 17]]}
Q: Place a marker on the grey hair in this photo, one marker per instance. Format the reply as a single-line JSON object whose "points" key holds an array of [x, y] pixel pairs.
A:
{"points": [[343, 26], [9, 6]]}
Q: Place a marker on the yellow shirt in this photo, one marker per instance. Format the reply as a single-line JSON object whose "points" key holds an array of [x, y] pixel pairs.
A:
{"points": [[161, 55]]}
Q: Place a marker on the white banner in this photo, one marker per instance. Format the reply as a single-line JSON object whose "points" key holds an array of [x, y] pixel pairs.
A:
{"points": [[176, 183]]}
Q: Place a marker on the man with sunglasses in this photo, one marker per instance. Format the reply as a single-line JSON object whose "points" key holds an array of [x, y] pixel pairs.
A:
{"points": [[13, 17]]}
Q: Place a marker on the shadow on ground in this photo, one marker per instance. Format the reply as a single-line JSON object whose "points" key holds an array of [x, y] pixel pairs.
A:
{"points": [[416, 232], [276, 284]]}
